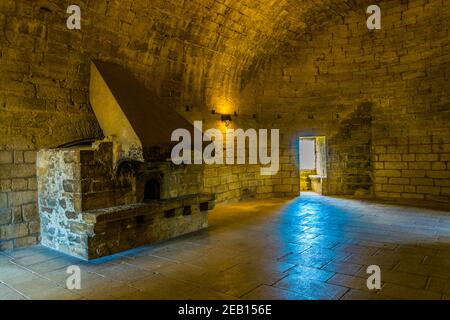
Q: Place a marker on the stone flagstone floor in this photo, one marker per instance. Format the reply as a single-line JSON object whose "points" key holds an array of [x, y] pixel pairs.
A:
{"points": [[311, 247]]}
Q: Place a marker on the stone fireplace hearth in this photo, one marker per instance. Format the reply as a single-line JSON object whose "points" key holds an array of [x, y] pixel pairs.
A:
{"points": [[118, 193]]}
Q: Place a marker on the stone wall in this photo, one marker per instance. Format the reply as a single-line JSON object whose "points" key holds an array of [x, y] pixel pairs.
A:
{"points": [[305, 181], [301, 67], [193, 54], [397, 148], [60, 200], [243, 181], [349, 154], [19, 223], [89, 208]]}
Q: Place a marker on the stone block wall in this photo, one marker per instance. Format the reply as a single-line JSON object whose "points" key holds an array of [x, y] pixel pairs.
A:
{"points": [[59, 200], [305, 181], [349, 154], [193, 54], [398, 147], [239, 182], [89, 208], [233, 182], [19, 223], [413, 168], [304, 68]]}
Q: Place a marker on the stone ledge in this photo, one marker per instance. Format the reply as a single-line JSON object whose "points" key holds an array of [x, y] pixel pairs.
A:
{"points": [[102, 232], [123, 212]]}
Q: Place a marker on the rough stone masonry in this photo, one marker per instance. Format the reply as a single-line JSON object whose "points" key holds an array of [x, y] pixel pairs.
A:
{"points": [[309, 68], [88, 210]]}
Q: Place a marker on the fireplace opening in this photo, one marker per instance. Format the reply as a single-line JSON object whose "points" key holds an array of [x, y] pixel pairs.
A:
{"points": [[169, 213], [187, 210], [140, 220], [204, 206], [152, 190]]}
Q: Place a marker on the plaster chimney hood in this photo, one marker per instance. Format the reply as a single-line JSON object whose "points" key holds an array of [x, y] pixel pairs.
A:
{"points": [[130, 115]]}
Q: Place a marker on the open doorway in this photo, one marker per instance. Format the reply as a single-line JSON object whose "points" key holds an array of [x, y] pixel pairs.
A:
{"points": [[312, 164]]}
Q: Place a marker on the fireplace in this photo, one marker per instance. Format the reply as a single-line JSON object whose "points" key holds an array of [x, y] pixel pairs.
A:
{"points": [[152, 190], [120, 192]]}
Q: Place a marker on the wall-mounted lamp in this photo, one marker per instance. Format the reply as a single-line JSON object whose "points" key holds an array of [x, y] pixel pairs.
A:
{"points": [[224, 117]]}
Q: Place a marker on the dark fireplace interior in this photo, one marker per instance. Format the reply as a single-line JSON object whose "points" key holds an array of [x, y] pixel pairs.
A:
{"points": [[152, 190]]}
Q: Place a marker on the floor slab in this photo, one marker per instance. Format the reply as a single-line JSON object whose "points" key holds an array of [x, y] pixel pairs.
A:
{"points": [[311, 247]]}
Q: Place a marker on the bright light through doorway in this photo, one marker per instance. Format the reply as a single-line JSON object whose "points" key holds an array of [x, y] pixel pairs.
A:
{"points": [[307, 154]]}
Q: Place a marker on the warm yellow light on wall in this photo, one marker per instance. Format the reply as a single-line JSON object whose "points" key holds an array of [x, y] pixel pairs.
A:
{"points": [[223, 126], [223, 105], [226, 118]]}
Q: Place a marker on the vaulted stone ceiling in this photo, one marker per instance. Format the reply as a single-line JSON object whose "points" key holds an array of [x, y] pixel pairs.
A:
{"points": [[243, 31], [192, 52], [218, 40], [234, 36]]}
